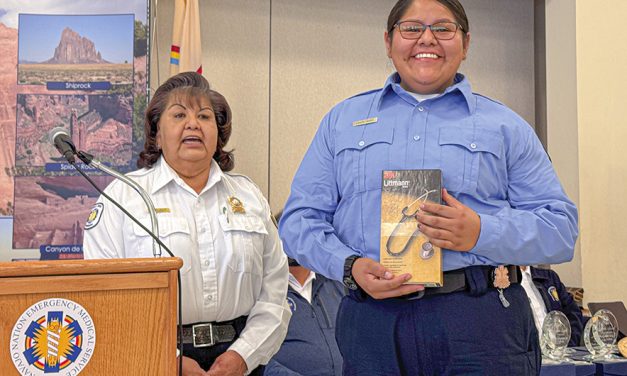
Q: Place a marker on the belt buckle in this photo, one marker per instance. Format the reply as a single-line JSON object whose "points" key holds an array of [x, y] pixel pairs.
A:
{"points": [[200, 337]]}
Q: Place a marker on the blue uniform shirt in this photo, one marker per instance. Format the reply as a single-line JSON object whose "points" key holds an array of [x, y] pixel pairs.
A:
{"points": [[491, 161]]}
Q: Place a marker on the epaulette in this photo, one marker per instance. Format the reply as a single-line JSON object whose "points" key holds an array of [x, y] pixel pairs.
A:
{"points": [[365, 93], [488, 98]]}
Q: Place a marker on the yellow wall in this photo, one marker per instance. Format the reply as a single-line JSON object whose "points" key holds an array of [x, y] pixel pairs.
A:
{"points": [[602, 126]]}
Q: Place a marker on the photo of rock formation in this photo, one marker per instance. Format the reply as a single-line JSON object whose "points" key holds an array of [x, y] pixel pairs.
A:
{"points": [[99, 124], [52, 210], [75, 49], [39, 207], [76, 57]]}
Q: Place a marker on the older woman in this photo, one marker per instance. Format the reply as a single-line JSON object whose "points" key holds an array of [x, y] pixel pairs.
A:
{"points": [[234, 273], [504, 205]]}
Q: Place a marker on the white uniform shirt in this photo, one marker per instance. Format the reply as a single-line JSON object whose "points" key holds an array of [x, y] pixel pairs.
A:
{"points": [[233, 263], [535, 299]]}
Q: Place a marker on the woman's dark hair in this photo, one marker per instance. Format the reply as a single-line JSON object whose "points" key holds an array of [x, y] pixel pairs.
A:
{"points": [[401, 7], [191, 86]]}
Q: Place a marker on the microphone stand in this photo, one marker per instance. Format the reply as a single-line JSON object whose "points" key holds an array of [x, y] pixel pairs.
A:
{"points": [[89, 160]]}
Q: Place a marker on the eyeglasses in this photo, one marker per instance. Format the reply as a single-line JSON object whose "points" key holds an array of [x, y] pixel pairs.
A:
{"points": [[415, 29]]}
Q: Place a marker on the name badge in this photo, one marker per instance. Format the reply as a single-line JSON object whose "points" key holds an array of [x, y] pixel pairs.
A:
{"points": [[162, 210], [365, 121]]}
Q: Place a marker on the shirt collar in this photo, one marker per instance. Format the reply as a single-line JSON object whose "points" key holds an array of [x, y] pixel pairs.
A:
{"points": [[295, 282], [165, 174], [460, 84]]}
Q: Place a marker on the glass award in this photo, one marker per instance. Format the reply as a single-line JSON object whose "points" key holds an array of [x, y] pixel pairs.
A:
{"points": [[555, 337], [599, 335]]}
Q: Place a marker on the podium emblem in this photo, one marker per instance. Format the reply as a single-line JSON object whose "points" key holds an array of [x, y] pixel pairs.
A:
{"points": [[53, 337]]}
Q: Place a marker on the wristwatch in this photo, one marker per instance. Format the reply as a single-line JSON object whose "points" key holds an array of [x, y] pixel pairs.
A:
{"points": [[348, 279]]}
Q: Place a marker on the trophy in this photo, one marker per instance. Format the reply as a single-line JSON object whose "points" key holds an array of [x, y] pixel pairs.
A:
{"points": [[555, 337], [599, 335]]}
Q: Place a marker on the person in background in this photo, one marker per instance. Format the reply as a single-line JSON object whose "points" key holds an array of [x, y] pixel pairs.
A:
{"points": [[310, 348], [234, 274], [503, 206], [546, 293]]}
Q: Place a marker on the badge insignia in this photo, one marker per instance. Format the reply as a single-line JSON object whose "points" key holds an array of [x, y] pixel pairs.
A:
{"points": [[291, 303], [236, 205], [53, 336], [365, 121], [501, 277], [554, 295], [94, 216]]}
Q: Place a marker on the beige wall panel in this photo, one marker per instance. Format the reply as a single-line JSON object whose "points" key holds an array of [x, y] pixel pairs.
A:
{"points": [[602, 162], [322, 53], [326, 51], [500, 62], [561, 100], [235, 46]]}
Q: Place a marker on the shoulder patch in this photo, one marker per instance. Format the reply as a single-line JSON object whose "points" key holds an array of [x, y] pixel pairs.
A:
{"points": [[554, 294], [94, 216], [292, 304]]}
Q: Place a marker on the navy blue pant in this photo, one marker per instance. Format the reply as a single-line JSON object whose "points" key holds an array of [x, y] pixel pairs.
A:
{"points": [[448, 334]]}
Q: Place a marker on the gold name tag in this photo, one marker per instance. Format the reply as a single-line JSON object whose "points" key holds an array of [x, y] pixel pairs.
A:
{"points": [[162, 210], [365, 121]]}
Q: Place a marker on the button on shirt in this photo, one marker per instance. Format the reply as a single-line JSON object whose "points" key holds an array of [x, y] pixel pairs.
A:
{"points": [[233, 263], [491, 161]]}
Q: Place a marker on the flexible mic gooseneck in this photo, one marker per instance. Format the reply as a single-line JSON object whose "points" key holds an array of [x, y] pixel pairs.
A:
{"points": [[89, 159]]}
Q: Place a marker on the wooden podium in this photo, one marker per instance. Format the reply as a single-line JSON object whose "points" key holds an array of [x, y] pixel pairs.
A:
{"points": [[132, 304]]}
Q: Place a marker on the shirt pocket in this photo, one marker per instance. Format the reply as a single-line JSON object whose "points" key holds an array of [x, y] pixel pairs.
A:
{"points": [[465, 154], [245, 235], [361, 155], [173, 232]]}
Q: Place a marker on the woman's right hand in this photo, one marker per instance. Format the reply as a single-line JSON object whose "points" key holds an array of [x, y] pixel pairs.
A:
{"points": [[379, 282], [191, 367]]}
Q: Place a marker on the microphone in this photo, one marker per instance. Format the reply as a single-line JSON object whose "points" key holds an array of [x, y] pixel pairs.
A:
{"points": [[63, 142]]}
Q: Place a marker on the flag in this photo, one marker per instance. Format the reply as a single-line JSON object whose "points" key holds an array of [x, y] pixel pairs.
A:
{"points": [[186, 53]]}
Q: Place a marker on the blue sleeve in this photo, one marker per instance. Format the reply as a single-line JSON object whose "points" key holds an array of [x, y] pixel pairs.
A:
{"points": [[539, 226], [306, 226]]}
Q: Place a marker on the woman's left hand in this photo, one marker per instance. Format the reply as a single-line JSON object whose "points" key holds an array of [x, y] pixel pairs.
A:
{"points": [[228, 364], [455, 227]]}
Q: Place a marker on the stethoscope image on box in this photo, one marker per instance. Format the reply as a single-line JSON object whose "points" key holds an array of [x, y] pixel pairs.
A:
{"points": [[427, 250]]}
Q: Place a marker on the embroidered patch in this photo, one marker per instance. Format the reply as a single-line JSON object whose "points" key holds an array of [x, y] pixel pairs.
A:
{"points": [[94, 216], [554, 295], [54, 336], [292, 304]]}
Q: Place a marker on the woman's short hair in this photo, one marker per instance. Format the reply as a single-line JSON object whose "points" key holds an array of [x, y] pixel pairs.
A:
{"points": [[191, 86], [401, 7]]}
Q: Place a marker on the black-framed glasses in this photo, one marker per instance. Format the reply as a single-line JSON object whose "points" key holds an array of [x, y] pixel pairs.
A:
{"points": [[441, 30]]}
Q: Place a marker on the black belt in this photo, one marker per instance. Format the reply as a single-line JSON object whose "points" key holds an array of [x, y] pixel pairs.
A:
{"points": [[457, 280], [205, 334]]}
